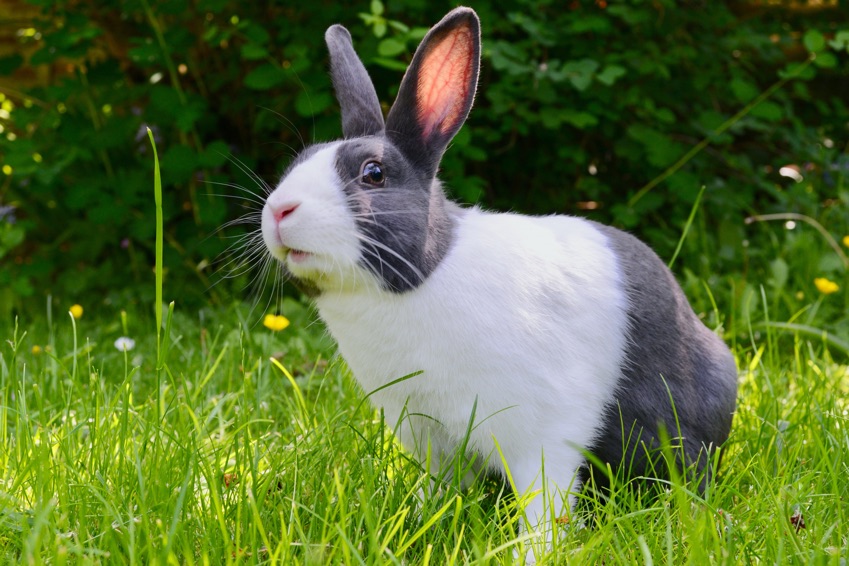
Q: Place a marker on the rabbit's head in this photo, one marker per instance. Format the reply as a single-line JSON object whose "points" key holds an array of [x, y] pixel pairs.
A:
{"points": [[367, 211]]}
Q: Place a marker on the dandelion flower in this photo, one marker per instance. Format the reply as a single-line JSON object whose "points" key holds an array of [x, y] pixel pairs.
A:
{"points": [[124, 344], [76, 311], [275, 322], [826, 286], [846, 241], [36, 350]]}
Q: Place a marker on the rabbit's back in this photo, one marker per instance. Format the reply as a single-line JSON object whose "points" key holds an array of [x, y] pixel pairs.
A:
{"points": [[676, 372]]}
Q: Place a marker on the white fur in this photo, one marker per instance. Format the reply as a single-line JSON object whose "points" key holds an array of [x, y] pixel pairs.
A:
{"points": [[525, 317]]}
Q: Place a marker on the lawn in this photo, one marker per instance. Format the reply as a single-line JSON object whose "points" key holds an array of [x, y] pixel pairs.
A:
{"points": [[253, 445]]}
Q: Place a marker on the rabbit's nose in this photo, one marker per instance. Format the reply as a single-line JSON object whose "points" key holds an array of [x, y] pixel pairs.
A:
{"points": [[283, 210]]}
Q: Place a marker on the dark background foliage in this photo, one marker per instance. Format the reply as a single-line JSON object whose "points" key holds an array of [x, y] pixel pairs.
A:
{"points": [[580, 105]]}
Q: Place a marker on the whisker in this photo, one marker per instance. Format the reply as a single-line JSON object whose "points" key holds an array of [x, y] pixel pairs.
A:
{"points": [[251, 218], [250, 174], [241, 264], [381, 262], [378, 245], [384, 213], [288, 123], [252, 201], [235, 186]]}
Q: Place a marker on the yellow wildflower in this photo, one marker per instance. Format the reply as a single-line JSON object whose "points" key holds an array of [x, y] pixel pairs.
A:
{"points": [[36, 350], [275, 322], [846, 241], [76, 311], [826, 286]]}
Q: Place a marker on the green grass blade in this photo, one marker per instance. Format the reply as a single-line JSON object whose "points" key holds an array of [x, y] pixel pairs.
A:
{"points": [[687, 226], [157, 198], [813, 332]]}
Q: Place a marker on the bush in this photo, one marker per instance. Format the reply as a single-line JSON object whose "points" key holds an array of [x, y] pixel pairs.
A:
{"points": [[578, 108]]}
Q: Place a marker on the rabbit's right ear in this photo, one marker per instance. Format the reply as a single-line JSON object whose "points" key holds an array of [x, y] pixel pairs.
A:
{"points": [[361, 114]]}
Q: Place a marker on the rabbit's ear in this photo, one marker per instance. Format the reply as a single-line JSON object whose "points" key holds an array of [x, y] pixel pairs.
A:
{"points": [[361, 114], [438, 89]]}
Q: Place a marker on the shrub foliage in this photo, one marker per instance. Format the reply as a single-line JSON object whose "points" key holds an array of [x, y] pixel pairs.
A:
{"points": [[580, 105]]}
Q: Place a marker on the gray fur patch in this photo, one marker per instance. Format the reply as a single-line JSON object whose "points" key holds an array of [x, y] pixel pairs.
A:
{"points": [[405, 227], [670, 355], [361, 114]]}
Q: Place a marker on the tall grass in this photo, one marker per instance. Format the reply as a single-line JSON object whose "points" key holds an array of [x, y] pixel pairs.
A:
{"points": [[230, 462]]}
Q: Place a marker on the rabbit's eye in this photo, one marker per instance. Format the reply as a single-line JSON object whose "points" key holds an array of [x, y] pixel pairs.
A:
{"points": [[373, 174]]}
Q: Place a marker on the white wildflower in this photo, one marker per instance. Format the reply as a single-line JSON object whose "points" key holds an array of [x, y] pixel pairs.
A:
{"points": [[125, 344]]}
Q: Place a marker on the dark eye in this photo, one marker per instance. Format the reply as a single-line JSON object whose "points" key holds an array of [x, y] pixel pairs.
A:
{"points": [[373, 174]]}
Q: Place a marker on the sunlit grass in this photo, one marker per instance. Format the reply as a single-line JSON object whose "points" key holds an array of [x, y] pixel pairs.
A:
{"points": [[230, 461]]}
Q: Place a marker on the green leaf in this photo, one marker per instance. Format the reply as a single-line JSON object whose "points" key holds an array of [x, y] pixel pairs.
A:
{"points": [[814, 40], [840, 41], [769, 111], [418, 33], [743, 90], [660, 149], [399, 26], [591, 23], [10, 237], [392, 64], [552, 118], [390, 47], [307, 104], [609, 75], [580, 120], [376, 7], [664, 115], [793, 70], [580, 73], [264, 77], [256, 33], [826, 60], [509, 58], [252, 52]]}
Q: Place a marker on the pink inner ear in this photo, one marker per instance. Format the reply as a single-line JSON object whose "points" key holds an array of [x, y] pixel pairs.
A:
{"points": [[444, 82]]}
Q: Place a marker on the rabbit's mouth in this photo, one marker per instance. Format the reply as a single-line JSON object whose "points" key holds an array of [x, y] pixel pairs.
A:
{"points": [[297, 256]]}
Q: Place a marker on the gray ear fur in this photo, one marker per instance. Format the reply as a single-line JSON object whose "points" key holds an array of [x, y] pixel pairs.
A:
{"points": [[361, 114]]}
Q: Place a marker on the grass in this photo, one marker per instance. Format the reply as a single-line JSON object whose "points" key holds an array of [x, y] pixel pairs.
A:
{"points": [[228, 461]]}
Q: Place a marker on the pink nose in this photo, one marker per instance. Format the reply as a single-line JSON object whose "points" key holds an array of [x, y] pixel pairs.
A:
{"points": [[283, 210]]}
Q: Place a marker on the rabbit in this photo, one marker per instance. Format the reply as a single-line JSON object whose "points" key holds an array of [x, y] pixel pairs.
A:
{"points": [[540, 347]]}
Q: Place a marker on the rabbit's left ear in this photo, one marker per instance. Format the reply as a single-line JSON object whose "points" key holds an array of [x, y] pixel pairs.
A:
{"points": [[361, 114], [438, 89]]}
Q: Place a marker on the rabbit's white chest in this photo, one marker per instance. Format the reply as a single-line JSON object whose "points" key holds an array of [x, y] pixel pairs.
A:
{"points": [[524, 321]]}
